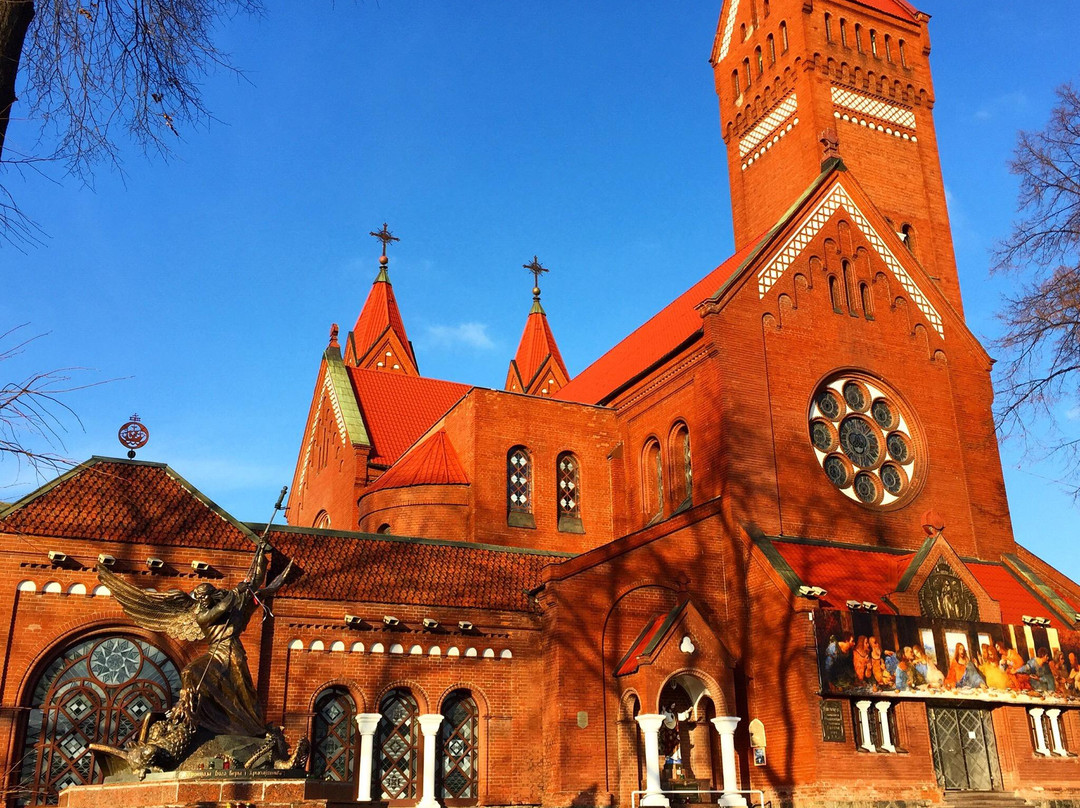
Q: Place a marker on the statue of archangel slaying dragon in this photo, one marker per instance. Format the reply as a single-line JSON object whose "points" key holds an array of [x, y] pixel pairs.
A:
{"points": [[217, 714]]}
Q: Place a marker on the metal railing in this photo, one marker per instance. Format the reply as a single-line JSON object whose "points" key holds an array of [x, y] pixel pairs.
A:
{"points": [[635, 796]]}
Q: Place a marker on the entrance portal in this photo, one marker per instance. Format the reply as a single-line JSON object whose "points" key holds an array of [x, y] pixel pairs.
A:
{"points": [[964, 749]]}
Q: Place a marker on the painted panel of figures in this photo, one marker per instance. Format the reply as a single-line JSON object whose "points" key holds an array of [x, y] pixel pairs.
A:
{"points": [[911, 657]]}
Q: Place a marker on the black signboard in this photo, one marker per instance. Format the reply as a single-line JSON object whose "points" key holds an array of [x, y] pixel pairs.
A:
{"points": [[832, 721]]}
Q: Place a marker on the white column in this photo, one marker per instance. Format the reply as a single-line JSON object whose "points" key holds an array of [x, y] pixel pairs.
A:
{"points": [[864, 721], [1040, 736], [650, 730], [1055, 731], [429, 727], [883, 719], [725, 725], [366, 723]]}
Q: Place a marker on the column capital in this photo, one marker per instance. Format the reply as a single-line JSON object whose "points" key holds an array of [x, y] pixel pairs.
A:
{"points": [[863, 705], [367, 723], [1053, 712], [1036, 711], [650, 722], [430, 723], [726, 724]]}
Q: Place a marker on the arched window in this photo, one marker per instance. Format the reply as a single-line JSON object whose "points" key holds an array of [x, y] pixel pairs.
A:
{"points": [[783, 37], [759, 60], [766, 5], [903, 53], [772, 49], [735, 83], [746, 70], [828, 26], [867, 301], [907, 234], [322, 520], [519, 488], [742, 32], [682, 480], [846, 268], [652, 479], [384, 528], [888, 48], [459, 748], [398, 747], [858, 37], [843, 32], [834, 294], [333, 735], [873, 42], [568, 472], [97, 690]]}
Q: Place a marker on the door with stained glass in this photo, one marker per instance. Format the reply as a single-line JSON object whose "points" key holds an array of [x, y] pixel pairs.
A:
{"points": [[97, 690], [458, 750], [333, 736], [964, 749]]}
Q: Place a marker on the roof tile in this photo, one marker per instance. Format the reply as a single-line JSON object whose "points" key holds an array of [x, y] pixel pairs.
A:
{"points": [[433, 462], [537, 343], [847, 573]]}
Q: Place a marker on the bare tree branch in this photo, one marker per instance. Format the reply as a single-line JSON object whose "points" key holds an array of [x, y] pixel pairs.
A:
{"points": [[1040, 346]]}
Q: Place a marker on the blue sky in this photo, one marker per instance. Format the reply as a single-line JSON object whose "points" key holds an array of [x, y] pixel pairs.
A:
{"points": [[483, 132]]}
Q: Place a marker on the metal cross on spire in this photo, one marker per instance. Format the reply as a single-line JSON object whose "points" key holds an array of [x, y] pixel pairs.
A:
{"points": [[386, 237], [537, 270]]}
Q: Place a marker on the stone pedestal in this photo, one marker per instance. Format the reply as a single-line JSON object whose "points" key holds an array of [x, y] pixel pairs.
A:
{"points": [[168, 790]]}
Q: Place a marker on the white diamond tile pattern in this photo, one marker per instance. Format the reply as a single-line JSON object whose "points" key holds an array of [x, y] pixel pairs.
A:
{"points": [[768, 125], [729, 26], [838, 198], [868, 105]]}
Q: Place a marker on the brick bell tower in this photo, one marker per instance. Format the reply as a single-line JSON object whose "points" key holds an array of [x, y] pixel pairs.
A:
{"points": [[786, 70]]}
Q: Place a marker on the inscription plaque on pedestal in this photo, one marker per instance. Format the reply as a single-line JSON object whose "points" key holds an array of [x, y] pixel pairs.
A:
{"points": [[832, 721]]}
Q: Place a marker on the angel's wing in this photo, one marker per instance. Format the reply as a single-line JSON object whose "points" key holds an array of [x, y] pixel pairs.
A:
{"points": [[171, 613]]}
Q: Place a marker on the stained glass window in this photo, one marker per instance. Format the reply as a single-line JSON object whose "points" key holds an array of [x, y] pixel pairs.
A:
{"points": [[333, 735], [569, 486], [518, 481], [682, 478], [97, 690], [652, 477], [398, 739], [458, 748], [862, 437]]}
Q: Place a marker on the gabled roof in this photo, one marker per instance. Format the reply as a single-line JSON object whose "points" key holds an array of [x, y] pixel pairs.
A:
{"points": [[662, 334], [433, 462], [398, 409], [654, 630], [379, 316], [1015, 598], [126, 501], [537, 344], [355, 567]]}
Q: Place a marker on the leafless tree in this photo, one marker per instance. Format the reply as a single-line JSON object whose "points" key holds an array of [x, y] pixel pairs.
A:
{"points": [[1040, 344], [88, 71], [33, 414]]}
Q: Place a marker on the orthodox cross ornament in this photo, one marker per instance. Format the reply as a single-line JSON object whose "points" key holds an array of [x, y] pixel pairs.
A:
{"points": [[133, 435], [537, 270], [945, 597], [386, 237]]}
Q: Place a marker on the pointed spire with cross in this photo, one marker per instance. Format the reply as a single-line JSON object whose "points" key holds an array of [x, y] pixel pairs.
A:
{"points": [[386, 237], [537, 270]]}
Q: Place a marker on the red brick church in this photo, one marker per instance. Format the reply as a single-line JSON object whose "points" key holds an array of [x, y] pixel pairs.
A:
{"points": [[757, 552]]}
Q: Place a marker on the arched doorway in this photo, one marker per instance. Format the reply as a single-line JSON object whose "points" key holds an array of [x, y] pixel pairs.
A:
{"points": [[688, 741], [96, 690]]}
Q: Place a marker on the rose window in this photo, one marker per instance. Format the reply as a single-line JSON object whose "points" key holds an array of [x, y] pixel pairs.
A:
{"points": [[862, 438]]}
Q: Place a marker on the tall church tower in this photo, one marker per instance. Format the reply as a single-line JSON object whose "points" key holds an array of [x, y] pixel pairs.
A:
{"points": [[787, 70]]}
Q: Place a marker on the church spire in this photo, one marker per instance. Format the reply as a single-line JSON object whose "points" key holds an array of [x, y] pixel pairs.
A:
{"points": [[378, 340], [537, 368]]}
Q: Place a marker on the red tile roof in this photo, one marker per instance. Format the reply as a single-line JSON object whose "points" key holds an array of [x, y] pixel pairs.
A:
{"points": [[385, 569], [398, 409], [433, 462], [126, 501], [380, 313], [660, 335], [537, 343], [1016, 599], [847, 573]]}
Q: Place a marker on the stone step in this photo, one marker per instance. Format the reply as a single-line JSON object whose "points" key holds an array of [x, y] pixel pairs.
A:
{"points": [[983, 799]]}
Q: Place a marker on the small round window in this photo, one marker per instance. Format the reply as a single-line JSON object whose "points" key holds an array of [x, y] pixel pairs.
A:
{"points": [[863, 440]]}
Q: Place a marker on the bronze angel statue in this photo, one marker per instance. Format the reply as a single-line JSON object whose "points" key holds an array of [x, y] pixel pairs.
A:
{"points": [[217, 696]]}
